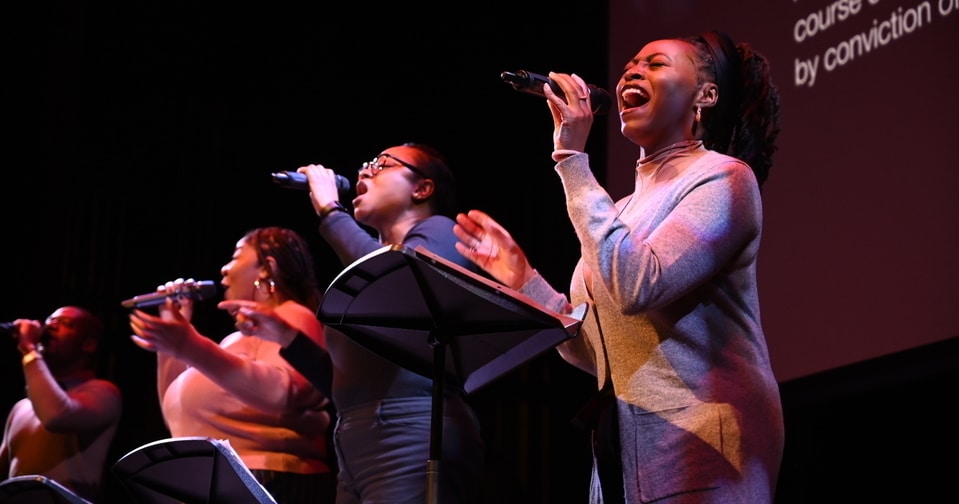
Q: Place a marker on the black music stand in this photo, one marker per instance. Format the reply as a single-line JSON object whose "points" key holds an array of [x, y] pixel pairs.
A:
{"points": [[189, 470], [442, 321], [36, 489]]}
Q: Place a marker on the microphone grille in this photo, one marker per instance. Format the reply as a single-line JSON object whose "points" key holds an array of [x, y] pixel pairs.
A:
{"points": [[204, 290]]}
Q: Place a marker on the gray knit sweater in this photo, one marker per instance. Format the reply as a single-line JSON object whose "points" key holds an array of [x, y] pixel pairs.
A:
{"points": [[670, 276]]}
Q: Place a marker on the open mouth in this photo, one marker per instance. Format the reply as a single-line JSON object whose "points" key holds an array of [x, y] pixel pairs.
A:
{"points": [[634, 97]]}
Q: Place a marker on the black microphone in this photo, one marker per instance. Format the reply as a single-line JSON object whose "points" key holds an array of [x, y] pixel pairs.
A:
{"points": [[531, 83], [296, 180], [198, 291]]}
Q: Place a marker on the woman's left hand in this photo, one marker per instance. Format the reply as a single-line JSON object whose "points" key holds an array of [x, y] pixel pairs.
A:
{"points": [[170, 333], [255, 319], [490, 246]]}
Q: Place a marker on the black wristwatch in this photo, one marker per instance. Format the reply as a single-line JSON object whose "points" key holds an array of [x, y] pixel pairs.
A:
{"points": [[336, 206]]}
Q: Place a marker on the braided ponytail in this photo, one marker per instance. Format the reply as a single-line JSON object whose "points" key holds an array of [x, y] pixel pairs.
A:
{"points": [[745, 121]]}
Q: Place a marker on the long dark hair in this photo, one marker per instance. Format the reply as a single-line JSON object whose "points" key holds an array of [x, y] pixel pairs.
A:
{"points": [[745, 121]]}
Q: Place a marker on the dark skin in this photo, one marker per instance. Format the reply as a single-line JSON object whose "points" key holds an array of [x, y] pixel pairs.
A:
{"points": [[657, 95], [392, 201], [68, 345]]}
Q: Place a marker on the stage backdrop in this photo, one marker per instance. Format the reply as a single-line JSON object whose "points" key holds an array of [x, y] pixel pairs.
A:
{"points": [[861, 230]]}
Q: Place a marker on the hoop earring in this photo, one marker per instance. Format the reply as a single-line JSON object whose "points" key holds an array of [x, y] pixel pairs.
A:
{"points": [[258, 285]]}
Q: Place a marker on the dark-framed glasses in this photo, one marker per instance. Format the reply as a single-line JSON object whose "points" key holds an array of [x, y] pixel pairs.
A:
{"points": [[384, 161], [68, 322]]}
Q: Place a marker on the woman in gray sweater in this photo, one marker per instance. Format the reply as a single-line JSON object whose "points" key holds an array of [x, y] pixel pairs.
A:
{"points": [[692, 411]]}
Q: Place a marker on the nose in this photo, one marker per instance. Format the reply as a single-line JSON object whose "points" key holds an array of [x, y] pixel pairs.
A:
{"points": [[633, 73], [364, 173], [50, 328]]}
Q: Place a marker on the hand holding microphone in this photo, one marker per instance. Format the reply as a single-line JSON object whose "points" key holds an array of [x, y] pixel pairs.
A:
{"points": [[190, 289], [296, 180], [532, 83], [26, 340]]}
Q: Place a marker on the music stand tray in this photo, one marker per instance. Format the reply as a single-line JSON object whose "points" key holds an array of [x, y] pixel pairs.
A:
{"points": [[189, 470], [400, 303], [438, 319], [36, 489]]}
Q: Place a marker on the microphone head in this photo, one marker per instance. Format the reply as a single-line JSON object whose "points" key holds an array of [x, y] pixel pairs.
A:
{"points": [[519, 80], [600, 100], [532, 83], [204, 290], [197, 291], [527, 82], [282, 177]]}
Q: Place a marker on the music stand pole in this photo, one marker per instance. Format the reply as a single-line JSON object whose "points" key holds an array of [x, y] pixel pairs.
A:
{"points": [[433, 468], [438, 341]]}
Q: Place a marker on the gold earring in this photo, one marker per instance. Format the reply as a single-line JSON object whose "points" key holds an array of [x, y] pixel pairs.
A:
{"points": [[257, 285], [699, 114]]}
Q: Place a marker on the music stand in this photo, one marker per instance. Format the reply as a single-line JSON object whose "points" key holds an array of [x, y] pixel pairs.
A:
{"points": [[189, 470], [442, 321], [36, 489]]}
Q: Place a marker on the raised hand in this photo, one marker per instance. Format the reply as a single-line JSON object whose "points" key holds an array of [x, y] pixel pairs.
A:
{"points": [[572, 115], [170, 332], [485, 242], [256, 319]]}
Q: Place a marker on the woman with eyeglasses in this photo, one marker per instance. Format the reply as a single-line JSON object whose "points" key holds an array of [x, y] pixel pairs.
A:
{"points": [[382, 434]]}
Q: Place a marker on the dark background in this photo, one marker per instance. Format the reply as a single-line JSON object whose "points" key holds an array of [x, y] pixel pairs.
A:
{"points": [[151, 131]]}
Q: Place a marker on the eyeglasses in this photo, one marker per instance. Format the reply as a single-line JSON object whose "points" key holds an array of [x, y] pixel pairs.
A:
{"points": [[379, 163], [67, 322]]}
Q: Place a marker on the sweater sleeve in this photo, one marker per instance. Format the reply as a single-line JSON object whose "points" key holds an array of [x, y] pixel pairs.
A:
{"points": [[310, 360], [688, 229], [346, 237]]}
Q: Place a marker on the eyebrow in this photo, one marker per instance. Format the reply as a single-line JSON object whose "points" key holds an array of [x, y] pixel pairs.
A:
{"points": [[655, 54], [647, 58]]}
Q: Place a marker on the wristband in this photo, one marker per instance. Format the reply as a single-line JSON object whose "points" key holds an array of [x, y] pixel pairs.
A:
{"points": [[336, 206], [38, 347], [30, 356]]}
